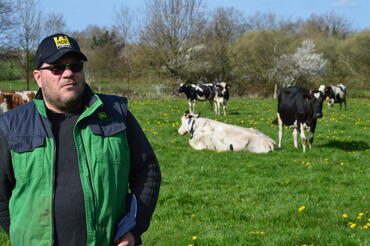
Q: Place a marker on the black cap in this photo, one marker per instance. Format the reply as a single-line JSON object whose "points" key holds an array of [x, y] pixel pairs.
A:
{"points": [[52, 48]]}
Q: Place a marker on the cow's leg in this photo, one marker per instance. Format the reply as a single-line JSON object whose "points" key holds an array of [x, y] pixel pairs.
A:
{"points": [[193, 106], [303, 137], [281, 130], [217, 108], [310, 139], [295, 137], [224, 107]]}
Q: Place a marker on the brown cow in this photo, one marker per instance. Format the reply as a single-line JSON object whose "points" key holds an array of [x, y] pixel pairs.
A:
{"points": [[10, 100]]}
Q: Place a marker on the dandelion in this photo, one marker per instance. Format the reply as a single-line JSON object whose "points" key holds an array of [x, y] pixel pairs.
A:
{"points": [[345, 215], [194, 238], [342, 164], [301, 208], [352, 225]]}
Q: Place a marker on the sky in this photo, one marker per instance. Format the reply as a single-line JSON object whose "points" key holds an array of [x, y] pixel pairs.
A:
{"points": [[78, 14]]}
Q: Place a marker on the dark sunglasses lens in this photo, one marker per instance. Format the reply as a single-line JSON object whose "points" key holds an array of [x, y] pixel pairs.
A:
{"points": [[59, 68], [76, 67]]}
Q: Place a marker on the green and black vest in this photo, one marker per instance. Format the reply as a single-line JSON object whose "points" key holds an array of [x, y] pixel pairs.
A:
{"points": [[103, 159]]}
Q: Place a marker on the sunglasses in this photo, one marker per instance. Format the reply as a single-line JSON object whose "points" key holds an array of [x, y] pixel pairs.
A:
{"points": [[58, 69]]}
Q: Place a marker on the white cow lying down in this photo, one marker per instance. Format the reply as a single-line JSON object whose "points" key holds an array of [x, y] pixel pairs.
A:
{"points": [[214, 135]]}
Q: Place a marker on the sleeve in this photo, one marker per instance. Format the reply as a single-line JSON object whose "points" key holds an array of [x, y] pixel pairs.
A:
{"points": [[7, 182], [145, 176]]}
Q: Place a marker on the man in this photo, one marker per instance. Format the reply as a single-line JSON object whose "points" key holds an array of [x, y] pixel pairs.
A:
{"points": [[69, 159]]}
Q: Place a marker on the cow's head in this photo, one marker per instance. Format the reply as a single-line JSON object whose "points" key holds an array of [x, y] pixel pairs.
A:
{"points": [[316, 100], [181, 88], [329, 93], [222, 88], [186, 122]]}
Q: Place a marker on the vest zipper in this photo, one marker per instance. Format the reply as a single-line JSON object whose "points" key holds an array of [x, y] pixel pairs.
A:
{"points": [[90, 183], [53, 195]]}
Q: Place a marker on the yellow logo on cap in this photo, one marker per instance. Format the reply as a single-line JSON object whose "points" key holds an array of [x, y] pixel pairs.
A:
{"points": [[62, 42]]}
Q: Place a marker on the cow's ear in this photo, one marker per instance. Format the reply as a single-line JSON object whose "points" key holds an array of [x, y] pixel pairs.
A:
{"points": [[196, 115], [186, 114], [306, 97]]}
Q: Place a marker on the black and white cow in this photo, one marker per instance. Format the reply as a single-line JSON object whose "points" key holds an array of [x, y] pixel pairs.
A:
{"points": [[299, 108], [214, 135], [221, 97], [335, 94], [200, 92]]}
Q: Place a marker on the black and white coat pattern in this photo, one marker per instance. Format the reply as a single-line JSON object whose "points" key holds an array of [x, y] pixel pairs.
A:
{"points": [[221, 97], [299, 109], [335, 94], [197, 92]]}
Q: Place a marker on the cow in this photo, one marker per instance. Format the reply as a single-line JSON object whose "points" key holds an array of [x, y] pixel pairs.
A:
{"points": [[27, 96], [335, 94], [200, 92], [9, 100], [221, 97], [299, 109], [214, 135]]}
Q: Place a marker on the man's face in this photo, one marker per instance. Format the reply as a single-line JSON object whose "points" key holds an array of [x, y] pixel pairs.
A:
{"points": [[62, 90]]}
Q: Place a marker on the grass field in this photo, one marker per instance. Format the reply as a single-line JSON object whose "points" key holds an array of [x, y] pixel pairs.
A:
{"points": [[282, 198]]}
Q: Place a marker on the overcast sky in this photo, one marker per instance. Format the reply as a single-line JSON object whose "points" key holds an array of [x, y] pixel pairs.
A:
{"points": [[78, 14]]}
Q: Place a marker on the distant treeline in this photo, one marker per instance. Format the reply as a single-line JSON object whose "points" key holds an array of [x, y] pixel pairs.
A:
{"points": [[180, 41]]}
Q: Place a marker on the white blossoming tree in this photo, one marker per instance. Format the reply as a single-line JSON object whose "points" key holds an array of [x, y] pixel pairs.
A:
{"points": [[300, 67]]}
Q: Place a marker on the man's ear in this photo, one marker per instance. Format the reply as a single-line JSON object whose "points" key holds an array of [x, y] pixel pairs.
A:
{"points": [[37, 77]]}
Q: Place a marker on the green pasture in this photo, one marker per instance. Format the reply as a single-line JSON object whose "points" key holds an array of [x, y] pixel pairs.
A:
{"points": [[285, 198], [281, 198]]}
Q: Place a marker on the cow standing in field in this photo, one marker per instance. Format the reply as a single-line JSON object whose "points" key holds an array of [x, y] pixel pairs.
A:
{"points": [[221, 97], [197, 92], [214, 135], [335, 94], [299, 109]]}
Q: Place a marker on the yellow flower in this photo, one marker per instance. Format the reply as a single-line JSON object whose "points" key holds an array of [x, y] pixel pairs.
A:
{"points": [[300, 209], [342, 164], [345, 215], [361, 214], [194, 238], [352, 225]]}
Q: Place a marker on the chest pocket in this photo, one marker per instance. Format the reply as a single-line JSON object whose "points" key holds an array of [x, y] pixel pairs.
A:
{"points": [[108, 143], [27, 157]]}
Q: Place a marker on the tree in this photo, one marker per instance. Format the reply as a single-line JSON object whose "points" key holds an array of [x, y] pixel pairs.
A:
{"points": [[6, 22], [300, 67], [103, 48], [254, 55], [226, 25], [172, 27], [54, 23], [354, 54], [326, 25], [28, 33]]}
